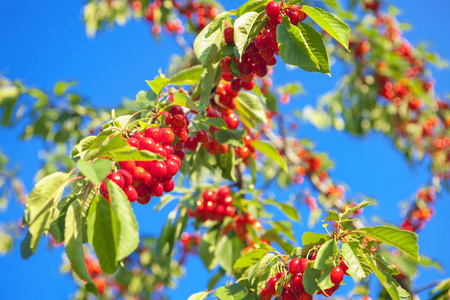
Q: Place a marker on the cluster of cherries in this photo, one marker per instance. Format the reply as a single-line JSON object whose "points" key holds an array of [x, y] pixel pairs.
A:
{"points": [[261, 52], [198, 14], [214, 206], [294, 289], [239, 226], [142, 180], [421, 211]]}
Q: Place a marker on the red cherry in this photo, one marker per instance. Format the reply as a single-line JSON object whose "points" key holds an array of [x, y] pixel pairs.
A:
{"points": [[247, 140], [133, 142], [294, 16], [148, 179], [272, 61], [248, 86], [138, 173], [117, 178], [302, 15], [180, 153], [228, 34], [138, 136], [159, 149], [305, 296], [331, 290], [168, 185], [235, 85], [168, 148], [176, 159], [153, 133], [191, 143], [344, 267], [128, 178], [227, 200], [273, 9], [147, 144], [167, 136], [337, 275], [246, 68], [287, 293], [296, 282], [266, 55], [158, 169], [223, 192], [302, 264], [270, 286], [172, 167], [128, 165], [182, 134], [227, 76], [178, 121], [145, 199], [293, 266], [225, 64], [261, 70], [157, 189], [209, 195], [243, 152], [232, 121], [229, 211], [177, 110], [203, 136], [262, 41], [131, 193], [265, 295]]}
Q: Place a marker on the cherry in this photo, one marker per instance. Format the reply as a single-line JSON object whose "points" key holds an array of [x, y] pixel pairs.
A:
{"points": [[191, 143], [294, 16], [246, 68], [209, 195], [337, 275], [158, 169], [296, 282], [144, 200], [235, 85], [247, 140], [147, 144], [128, 165], [154, 133], [331, 290], [157, 189], [178, 121], [159, 149], [228, 34], [302, 15], [168, 148], [344, 267], [168, 185], [223, 192], [133, 142], [261, 70], [302, 264], [227, 200], [182, 134], [203, 136], [227, 76], [167, 136], [270, 285], [265, 295], [180, 153], [243, 152], [287, 293], [247, 85], [232, 121], [148, 179], [262, 41], [138, 136], [176, 110], [128, 178], [225, 64], [131, 193], [305, 296], [117, 178], [172, 167], [176, 159], [229, 211], [293, 266], [273, 9]]}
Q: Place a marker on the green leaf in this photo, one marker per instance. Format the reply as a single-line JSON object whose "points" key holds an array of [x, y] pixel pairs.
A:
{"points": [[390, 284], [302, 46], [314, 238], [259, 269], [147, 97], [216, 122], [207, 247], [126, 234], [188, 76], [101, 233], [244, 30], [271, 152], [332, 215], [287, 208], [250, 106], [284, 227], [95, 172], [210, 40], [310, 279], [73, 242], [207, 82], [62, 86], [183, 100], [351, 210], [136, 155], [403, 240], [228, 251], [332, 25], [158, 84], [253, 6], [352, 259], [116, 143], [83, 145], [40, 206], [199, 296], [215, 279], [232, 292], [231, 137], [250, 258], [228, 165], [324, 281], [326, 251]]}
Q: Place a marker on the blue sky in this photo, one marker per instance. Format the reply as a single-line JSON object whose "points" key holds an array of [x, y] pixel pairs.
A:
{"points": [[45, 41]]}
